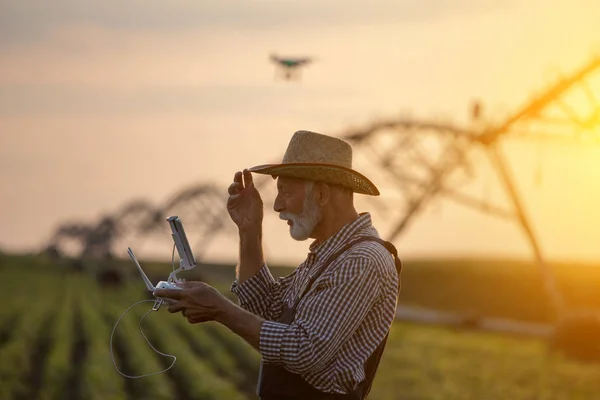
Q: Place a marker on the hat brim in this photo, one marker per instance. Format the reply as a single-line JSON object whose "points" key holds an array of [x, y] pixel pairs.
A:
{"points": [[328, 173]]}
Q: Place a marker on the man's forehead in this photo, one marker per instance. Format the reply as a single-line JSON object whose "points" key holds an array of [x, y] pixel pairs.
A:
{"points": [[286, 181]]}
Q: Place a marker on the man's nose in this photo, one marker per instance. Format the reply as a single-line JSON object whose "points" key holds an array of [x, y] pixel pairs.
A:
{"points": [[278, 204]]}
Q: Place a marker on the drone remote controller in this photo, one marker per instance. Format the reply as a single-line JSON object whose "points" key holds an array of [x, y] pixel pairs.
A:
{"points": [[186, 262]]}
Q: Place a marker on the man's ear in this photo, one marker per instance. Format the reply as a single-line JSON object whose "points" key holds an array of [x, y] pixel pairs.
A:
{"points": [[323, 193]]}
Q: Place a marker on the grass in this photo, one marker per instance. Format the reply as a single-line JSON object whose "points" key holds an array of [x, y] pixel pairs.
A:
{"points": [[420, 362], [426, 362]]}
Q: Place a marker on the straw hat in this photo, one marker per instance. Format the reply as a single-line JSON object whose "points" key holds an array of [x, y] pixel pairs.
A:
{"points": [[317, 157]]}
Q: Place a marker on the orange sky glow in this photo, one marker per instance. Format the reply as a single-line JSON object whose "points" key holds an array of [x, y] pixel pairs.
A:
{"points": [[104, 103]]}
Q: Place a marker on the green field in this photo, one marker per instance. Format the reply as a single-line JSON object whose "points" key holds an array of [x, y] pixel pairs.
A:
{"points": [[55, 331]]}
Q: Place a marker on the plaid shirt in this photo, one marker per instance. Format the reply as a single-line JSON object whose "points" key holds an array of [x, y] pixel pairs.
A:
{"points": [[341, 319]]}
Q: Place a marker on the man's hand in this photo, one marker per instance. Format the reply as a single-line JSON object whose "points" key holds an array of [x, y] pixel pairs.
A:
{"points": [[245, 205], [197, 301]]}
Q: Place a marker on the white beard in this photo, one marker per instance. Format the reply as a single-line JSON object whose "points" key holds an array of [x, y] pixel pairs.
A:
{"points": [[303, 224]]}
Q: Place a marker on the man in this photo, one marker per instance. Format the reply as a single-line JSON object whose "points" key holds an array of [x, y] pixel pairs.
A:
{"points": [[320, 330]]}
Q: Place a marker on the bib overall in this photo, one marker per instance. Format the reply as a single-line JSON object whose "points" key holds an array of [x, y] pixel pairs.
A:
{"points": [[277, 383]]}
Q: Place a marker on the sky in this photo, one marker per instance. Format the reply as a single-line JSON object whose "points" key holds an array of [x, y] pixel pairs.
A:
{"points": [[102, 102]]}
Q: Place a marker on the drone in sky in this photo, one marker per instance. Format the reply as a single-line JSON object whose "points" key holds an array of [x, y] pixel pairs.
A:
{"points": [[289, 67]]}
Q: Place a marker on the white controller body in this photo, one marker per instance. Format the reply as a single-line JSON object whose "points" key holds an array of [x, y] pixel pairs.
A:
{"points": [[165, 285]]}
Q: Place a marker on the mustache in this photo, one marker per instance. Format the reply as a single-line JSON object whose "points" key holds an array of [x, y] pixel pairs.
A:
{"points": [[288, 216]]}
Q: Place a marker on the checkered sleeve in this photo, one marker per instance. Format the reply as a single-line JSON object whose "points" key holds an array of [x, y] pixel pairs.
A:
{"points": [[261, 294], [326, 318]]}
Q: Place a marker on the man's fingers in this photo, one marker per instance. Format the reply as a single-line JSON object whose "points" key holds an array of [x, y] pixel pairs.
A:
{"points": [[175, 307], [189, 284], [233, 188], [174, 294], [241, 180], [195, 319], [248, 178], [237, 178]]}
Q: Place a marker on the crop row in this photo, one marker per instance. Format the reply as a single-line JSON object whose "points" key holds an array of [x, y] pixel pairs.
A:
{"points": [[61, 348], [24, 348], [60, 338], [99, 381]]}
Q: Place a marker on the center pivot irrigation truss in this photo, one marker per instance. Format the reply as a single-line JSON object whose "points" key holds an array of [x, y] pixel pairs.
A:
{"points": [[417, 160]]}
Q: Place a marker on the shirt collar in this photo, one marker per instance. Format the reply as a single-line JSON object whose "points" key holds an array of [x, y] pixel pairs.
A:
{"points": [[324, 249]]}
